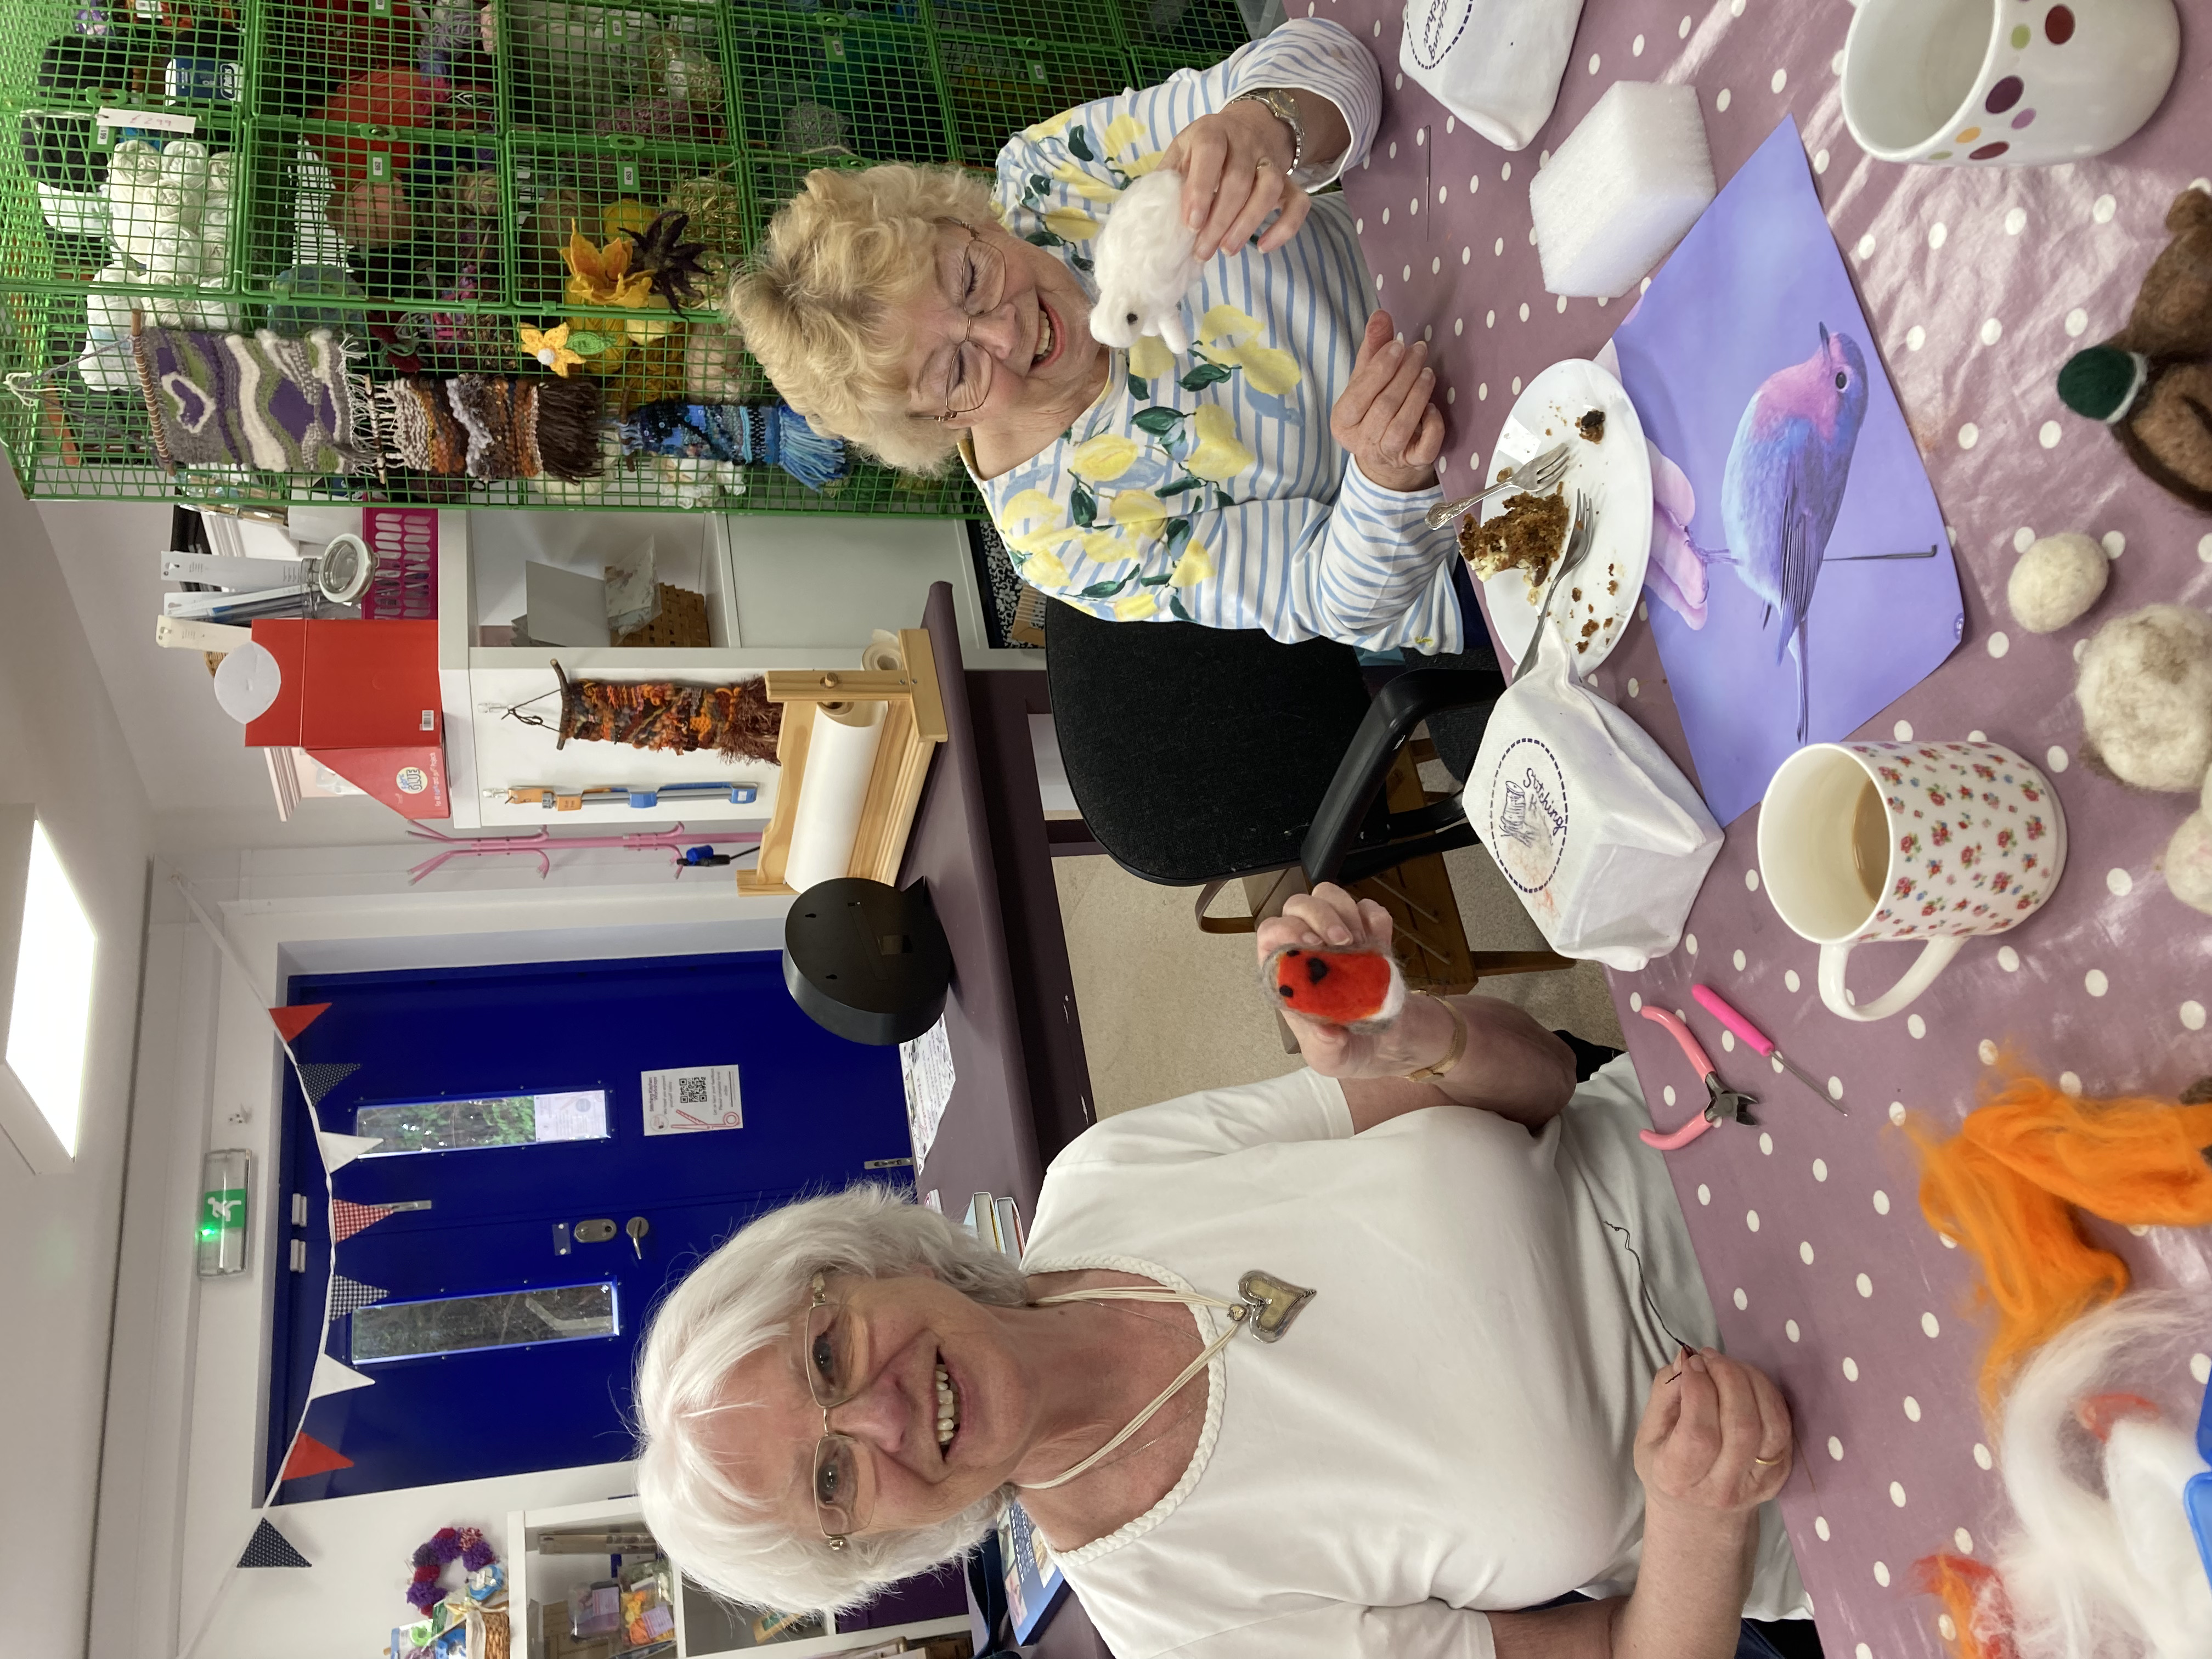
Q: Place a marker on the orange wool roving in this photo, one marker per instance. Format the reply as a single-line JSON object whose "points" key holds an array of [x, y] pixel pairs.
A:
{"points": [[2138, 1160], [2005, 1188]]}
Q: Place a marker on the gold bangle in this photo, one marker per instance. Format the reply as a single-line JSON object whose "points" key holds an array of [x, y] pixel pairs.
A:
{"points": [[1453, 1055]]}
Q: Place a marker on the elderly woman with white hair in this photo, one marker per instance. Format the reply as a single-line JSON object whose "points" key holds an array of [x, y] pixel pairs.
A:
{"points": [[1460, 1273], [1275, 476]]}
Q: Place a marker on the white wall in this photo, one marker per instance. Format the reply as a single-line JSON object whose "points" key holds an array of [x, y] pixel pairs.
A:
{"points": [[62, 747], [181, 1482]]}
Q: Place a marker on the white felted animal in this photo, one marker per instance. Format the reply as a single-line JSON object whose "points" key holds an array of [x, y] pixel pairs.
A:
{"points": [[1143, 266], [2146, 692], [2057, 580], [2101, 1562]]}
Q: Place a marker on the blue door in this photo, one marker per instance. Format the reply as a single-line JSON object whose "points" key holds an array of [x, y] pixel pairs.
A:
{"points": [[560, 1142]]}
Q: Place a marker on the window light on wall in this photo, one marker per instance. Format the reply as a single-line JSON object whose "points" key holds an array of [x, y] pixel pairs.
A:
{"points": [[47, 948]]}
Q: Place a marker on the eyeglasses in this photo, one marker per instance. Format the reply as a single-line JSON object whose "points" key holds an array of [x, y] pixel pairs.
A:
{"points": [[978, 285], [825, 1353]]}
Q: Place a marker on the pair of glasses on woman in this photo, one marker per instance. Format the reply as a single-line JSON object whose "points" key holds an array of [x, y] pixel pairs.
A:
{"points": [[825, 1353], [975, 285]]}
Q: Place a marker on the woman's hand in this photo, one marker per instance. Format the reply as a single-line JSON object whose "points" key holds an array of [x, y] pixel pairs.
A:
{"points": [[1715, 1438], [1330, 916], [1384, 417], [1236, 167]]}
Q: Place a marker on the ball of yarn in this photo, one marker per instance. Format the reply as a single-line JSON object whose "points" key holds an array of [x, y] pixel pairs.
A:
{"points": [[372, 216], [2057, 580], [2188, 862], [2101, 382], [2146, 693]]}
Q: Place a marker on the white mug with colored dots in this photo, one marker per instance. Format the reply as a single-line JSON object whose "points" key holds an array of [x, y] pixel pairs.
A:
{"points": [[2005, 82], [1935, 841]]}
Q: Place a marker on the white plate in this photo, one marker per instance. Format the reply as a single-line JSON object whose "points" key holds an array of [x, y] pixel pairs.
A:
{"points": [[1615, 473]]}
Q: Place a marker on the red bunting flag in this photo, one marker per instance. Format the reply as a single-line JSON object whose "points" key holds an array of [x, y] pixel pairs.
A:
{"points": [[347, 1217], [291, 1021], [311, 1457]]}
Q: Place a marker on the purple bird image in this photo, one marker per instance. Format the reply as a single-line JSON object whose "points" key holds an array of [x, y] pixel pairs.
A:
{"points": [[1784, 482]]}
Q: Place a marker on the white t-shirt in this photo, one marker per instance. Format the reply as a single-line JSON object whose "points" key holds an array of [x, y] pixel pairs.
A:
{"points": [[1448, 1426]]}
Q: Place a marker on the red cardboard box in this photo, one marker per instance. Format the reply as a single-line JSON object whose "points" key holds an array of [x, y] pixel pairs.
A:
{"points": [[361, 697]]}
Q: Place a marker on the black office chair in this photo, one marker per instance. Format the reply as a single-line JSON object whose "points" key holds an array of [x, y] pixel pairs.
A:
{"points": [[1198, 756]]}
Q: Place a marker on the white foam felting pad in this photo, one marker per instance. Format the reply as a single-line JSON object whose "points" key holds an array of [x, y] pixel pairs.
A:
{"points": [[1627, 186]]}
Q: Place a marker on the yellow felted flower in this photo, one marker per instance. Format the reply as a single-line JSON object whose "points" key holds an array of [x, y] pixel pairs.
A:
{"points": [[1071, 225], [1105, 458], [1122, 131], [1136, 607], [550, 348], [1028, 504], [1150, 358], [1218, 454], [1091, 188], [1042, 570], [1140, 509], [1193, 567]]}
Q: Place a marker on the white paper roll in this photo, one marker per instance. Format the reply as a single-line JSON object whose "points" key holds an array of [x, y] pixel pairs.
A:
{"points": [[882, 653], [840, 756]]}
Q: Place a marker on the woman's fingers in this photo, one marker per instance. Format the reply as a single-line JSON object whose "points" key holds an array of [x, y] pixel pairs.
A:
{"points": [[1230, 195], [1198, 154], [1270, 190], [1297, 204], [1329, 916]]}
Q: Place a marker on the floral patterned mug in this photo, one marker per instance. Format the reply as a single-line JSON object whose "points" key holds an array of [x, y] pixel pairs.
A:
{"points": [[1936, 842]]}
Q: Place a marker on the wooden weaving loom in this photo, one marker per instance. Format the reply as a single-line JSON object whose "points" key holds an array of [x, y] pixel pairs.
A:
{"points": [[914, 724]]}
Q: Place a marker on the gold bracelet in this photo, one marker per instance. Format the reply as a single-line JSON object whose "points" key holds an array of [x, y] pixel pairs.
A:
{"points": [[1453, 1055]]}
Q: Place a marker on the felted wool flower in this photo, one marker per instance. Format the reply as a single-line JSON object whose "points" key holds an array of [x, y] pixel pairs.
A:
{"points": [[550, 348], [603, 276]]}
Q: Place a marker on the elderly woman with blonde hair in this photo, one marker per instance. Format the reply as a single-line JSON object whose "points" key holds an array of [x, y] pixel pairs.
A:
{"points": [[1275, 476], [1459, 1272]]}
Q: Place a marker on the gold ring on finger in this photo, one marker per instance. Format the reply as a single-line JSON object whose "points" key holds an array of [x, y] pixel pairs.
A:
{"points": [[1767, 1462]]}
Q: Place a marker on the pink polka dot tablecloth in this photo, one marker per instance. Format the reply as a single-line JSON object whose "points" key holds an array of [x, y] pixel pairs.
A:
{"points": [[1978, 282]]}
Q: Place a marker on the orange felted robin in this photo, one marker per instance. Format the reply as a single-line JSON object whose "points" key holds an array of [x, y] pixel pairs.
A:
{"points": [[1344, 987]]}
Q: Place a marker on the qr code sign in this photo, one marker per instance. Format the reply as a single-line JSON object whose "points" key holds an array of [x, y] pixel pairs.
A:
{"points": [[686, 1099]]}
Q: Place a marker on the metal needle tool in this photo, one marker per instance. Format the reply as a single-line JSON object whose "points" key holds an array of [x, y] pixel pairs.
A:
{"points": [[1711, 1001]]}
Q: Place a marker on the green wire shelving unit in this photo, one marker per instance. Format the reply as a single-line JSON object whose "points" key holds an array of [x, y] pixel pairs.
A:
{"points": [[357, 194]]}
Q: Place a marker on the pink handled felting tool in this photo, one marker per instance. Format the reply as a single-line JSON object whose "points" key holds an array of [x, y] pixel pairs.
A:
{"points": [[1721, 1102], [1762, 1045]]}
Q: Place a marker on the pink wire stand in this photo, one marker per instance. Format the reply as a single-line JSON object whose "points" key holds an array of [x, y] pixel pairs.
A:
{"points": [[538, 843], [404, 541]]}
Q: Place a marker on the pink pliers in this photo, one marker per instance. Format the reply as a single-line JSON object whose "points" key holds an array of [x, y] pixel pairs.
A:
{"points": [[1721, 1102]]}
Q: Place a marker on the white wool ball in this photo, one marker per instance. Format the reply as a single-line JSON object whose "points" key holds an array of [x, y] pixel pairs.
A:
{"points": [[2057, 578], [2188, 862], [2146, 692]]}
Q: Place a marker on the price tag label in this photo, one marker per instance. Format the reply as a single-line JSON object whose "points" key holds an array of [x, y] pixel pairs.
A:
{"points": [[626, 172], [379, 8], [148, 120], [379, 167]]}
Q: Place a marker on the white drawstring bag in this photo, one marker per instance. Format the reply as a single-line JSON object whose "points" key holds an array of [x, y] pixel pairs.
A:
{"points": [[1601, 836], [1494, 64]]}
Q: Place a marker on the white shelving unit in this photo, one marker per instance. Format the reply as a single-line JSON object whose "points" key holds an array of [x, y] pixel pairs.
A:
{"points": [[782, 593], [533, 1575]]}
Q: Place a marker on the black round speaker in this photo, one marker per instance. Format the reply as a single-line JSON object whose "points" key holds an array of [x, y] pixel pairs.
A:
{"points": [[865, 961]]}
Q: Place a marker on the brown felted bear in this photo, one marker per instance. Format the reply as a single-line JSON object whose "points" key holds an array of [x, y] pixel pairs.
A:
{"points": [[2152, 382]]}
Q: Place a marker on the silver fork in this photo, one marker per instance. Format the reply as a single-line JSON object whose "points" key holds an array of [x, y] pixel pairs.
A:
{"points": [[1578, 544], [1538, 475]]}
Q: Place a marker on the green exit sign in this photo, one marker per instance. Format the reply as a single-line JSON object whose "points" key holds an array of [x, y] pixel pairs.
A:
{"points": [[222, 1220]]}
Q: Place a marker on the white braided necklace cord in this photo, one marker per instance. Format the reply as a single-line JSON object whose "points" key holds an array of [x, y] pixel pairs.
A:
{"points": [[1267, 1307]]}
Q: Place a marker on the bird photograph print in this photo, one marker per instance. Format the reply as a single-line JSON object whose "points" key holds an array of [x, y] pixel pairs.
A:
{"points": [[1801, 577]]}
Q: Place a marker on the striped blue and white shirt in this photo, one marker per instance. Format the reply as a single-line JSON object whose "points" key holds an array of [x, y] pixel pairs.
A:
{"points": [[1207, 487]]}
